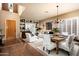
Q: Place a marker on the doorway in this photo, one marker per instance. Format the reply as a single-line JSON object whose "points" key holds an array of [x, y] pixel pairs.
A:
{"points": [[10, 30]]}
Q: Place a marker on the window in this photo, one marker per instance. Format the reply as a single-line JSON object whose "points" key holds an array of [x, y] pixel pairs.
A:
{"points": [[10, 7], [74, 26], [70, 25], [30, 27]]}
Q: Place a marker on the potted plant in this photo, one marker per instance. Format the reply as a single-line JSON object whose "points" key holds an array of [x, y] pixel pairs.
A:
{"points": [[56, 31]]}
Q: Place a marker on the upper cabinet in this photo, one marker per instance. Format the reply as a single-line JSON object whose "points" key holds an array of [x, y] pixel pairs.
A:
{"points": [[22, 25]]}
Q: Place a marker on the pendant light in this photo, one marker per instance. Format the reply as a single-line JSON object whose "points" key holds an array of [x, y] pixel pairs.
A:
{"points": [[57, 20]]}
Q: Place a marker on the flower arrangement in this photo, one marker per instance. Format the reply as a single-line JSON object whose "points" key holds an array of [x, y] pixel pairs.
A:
{"points": [[56, 31]]}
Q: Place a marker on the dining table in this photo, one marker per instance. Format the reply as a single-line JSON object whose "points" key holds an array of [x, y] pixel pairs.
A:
{"points": [[57, 40]]}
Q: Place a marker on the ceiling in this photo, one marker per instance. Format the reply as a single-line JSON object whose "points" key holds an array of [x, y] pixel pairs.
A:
{"points": [[40, 11]]}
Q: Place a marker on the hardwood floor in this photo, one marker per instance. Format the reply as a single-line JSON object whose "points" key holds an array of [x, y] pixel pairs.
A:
{"points": [[19, 49]]}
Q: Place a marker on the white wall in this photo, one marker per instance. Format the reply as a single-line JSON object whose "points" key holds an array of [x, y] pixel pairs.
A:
{"points": [[20, 9], [61, 17], [5, 15], [0, 6]]}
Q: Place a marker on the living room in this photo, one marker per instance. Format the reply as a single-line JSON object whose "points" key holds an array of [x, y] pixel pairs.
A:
{"points": [[31, 23]]}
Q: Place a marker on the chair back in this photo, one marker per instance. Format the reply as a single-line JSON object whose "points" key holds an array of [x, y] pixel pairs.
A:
{"points": [[46, 39], [75, 50], [77, 37], [71, 38], [78, 52], [65, 33]]}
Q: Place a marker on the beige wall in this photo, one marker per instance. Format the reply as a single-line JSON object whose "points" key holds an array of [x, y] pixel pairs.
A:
{"points": [[62, 17], [5, 15]]}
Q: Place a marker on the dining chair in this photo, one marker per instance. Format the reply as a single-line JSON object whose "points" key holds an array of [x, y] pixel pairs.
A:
{"points": [[67, 44], [77, 38], [47, 44], [64, 33], [75, 50]]}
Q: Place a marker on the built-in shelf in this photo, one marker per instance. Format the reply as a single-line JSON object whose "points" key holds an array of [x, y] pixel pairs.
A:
{"points": [[22, 25]]}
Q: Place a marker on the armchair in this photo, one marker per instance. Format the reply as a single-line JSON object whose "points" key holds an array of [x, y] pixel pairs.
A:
{"points": [[47, 44]]}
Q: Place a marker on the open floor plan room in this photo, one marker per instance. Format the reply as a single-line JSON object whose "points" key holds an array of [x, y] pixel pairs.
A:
{"points": [[39, 29]]}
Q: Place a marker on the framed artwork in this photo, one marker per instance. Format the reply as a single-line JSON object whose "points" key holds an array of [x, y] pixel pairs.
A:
{"points": [[49, 26]]}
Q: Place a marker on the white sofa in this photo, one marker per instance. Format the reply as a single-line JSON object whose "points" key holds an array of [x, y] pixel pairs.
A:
{"points": [[33, 38]]}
